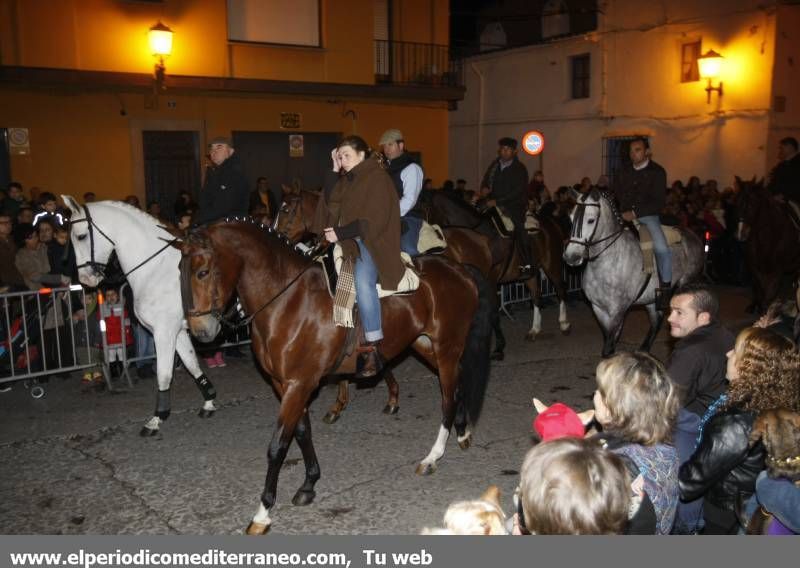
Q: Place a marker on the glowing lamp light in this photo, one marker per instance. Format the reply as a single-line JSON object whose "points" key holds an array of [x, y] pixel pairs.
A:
{"points": [[160, 37], [710, 66]]}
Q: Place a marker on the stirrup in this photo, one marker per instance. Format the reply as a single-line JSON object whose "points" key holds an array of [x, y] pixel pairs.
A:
{"points": [[525, 270], [663, 296], [369, 362]]}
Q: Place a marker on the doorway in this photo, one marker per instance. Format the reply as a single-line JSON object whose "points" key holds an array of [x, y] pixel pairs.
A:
{"points": [[171, 165]]}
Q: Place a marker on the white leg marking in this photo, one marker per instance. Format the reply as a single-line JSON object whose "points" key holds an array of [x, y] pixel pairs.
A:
{"points": [[537, 321], [563, 321], [466, 436], [262, 515], [209, 405], [437, 450], [153, 423]]}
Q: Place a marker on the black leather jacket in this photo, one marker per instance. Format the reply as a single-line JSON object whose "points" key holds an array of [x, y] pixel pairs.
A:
{"points": [[724, 467]]}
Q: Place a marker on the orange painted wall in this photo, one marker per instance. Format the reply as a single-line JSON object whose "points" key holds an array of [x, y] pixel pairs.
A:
{"points": [[81, 142]]}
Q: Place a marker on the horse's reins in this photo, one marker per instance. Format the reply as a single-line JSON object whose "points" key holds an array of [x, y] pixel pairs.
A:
{"points": [[100, 267]]}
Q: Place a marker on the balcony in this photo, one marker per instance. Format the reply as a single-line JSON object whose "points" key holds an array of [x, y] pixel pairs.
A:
{"points": [[422, 64]]}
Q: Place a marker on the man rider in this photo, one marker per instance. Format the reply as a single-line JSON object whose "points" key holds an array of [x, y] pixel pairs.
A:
{"points": [[225, 190], [784, 179], [407, 176], [506, 180], [641, 191]]}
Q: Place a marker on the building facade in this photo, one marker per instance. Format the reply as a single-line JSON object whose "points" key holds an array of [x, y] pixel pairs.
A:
{"points": [[637, 75], [82, 110]]}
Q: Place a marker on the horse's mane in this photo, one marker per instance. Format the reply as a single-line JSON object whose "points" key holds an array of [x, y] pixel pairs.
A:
{"points": [[144, 215], [456, 200], [195, 235], [609, 198]]}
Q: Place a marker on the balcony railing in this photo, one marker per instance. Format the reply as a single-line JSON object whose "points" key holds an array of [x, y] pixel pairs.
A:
{"points": [[406, 63]]}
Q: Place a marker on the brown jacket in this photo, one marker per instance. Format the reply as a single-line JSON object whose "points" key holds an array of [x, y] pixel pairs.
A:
{"points": [[366, 200]]}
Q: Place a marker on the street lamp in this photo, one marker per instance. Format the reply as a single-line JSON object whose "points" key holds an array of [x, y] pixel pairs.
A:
{"points": [[160, 36], [710, 65]]}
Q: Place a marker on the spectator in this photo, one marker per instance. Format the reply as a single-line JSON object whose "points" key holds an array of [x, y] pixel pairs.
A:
{"points": [[572, 486], [183, 204], [154, 209], [89, 197], [448, 186], [763, 370], [9, 274], [25, 215], [538, 193], [113, 313], [48, 209], [133, 200], [636, 404], [263, 205], [427, 185], [461, 185], [185, 221], [697, 366], [46, 229], [15, 200]]}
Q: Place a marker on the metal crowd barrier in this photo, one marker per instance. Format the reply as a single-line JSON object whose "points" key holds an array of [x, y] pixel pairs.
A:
{"points": [[41, 335], [516, 292]]}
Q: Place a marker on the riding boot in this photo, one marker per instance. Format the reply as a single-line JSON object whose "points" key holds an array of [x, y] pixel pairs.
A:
{"points": [[369, 362], [663, 296]]}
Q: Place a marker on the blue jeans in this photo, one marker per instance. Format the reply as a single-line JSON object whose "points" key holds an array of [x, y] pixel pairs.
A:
{"points": [[369, 306], [780, 497], [663, 254], [410, 239], [688, 516], [145, 345]]}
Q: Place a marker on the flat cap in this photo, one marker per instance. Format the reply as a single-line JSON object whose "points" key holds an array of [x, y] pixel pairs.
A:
{"points": [[391, 135]]}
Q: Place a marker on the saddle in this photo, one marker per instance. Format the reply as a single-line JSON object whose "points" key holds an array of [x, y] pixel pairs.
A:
{"points": [[431, 239], [502, 222], [673, 236]]}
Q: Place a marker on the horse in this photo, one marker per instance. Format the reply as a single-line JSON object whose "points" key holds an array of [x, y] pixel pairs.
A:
{"points": [[295, 341], [772, 242], [613, 279], [151, 267], [546, 245], [293, 220]]}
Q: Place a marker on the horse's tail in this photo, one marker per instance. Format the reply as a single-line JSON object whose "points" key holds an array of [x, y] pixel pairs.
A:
{"points": [[474, 364]]}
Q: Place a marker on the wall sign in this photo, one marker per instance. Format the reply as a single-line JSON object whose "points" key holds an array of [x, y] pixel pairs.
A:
{"points": [[533, 142], [295, 145], [18, 141], [291, 120]]}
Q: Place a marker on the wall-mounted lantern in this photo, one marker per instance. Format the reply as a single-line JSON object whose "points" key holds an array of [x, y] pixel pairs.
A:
{"points": [[160, 36], [710, 64]]}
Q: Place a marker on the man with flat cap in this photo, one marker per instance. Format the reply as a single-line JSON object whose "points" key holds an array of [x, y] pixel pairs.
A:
{"points": [[225, 192], [407, 176], [506, 180]]}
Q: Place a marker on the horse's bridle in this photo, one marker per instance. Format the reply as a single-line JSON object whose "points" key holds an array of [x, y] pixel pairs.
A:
{"points": [[97, 267], [294, 208], [577, 231]]}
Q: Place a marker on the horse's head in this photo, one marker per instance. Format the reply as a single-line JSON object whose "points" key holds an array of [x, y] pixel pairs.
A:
{"points": [[91, 244], [751, 197], [205, 289], [292, 220], [585, 220]]}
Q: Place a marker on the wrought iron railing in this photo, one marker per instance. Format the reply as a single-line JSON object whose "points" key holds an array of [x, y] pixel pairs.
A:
{"points": [[407, 63]]}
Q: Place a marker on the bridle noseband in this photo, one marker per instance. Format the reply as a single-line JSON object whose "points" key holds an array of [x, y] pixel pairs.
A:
{"points": [[577, 230], [97, 267]]}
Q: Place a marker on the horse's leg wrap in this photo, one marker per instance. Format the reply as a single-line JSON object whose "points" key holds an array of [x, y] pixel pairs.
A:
{"points": [[163, 404], [206, 388]]}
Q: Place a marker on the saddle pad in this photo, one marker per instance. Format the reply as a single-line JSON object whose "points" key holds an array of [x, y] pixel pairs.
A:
{"points": [[431, 239], [502, 223], [531, 223], [331, 263], [673, 236]]}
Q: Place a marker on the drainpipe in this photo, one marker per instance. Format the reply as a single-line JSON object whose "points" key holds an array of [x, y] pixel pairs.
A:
{"points": [[481, 79]]}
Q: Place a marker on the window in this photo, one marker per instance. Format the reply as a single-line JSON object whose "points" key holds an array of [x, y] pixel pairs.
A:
{"points": [[581, 75], [689, 54], [274, 21]]}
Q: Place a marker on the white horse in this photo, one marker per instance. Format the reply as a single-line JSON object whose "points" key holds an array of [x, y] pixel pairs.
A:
{"points": [[151, 267]]}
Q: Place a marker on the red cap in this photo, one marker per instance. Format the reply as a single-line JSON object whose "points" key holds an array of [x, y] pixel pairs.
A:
{"points": [[558, 421]]}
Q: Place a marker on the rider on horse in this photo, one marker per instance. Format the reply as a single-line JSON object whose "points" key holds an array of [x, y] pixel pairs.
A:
{"points": [[407, 177], [507, 182], [225, 191], [641, 192], [784, 179]]}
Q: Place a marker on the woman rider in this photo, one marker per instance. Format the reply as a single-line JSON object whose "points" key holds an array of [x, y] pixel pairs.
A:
{"points": [[360, 211]]}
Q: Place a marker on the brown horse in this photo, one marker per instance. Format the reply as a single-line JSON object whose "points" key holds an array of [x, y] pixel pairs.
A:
{"points": [[547, 244], [772, 246], [446, 321], [294, 221]]}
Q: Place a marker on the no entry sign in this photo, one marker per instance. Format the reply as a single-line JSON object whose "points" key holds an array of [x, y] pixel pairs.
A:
{"points": [[533, 142]]}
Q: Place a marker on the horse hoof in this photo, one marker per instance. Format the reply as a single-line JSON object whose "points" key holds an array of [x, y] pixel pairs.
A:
{"points": [[203, 413], [497, 356], [146, 432], [566, 330], [256, 529], [465, 443], [426, 468], [302, 498], [391, 409], [331, 417], [530, 336]]}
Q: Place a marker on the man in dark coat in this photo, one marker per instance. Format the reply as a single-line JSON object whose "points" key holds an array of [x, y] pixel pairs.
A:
{"points": [[784, 179], [225, 192], [641, 191], [507, 182], [697, 366]]}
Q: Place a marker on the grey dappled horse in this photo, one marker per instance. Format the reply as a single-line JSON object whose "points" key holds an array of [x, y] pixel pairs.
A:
{"points": [[613, 279]]}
